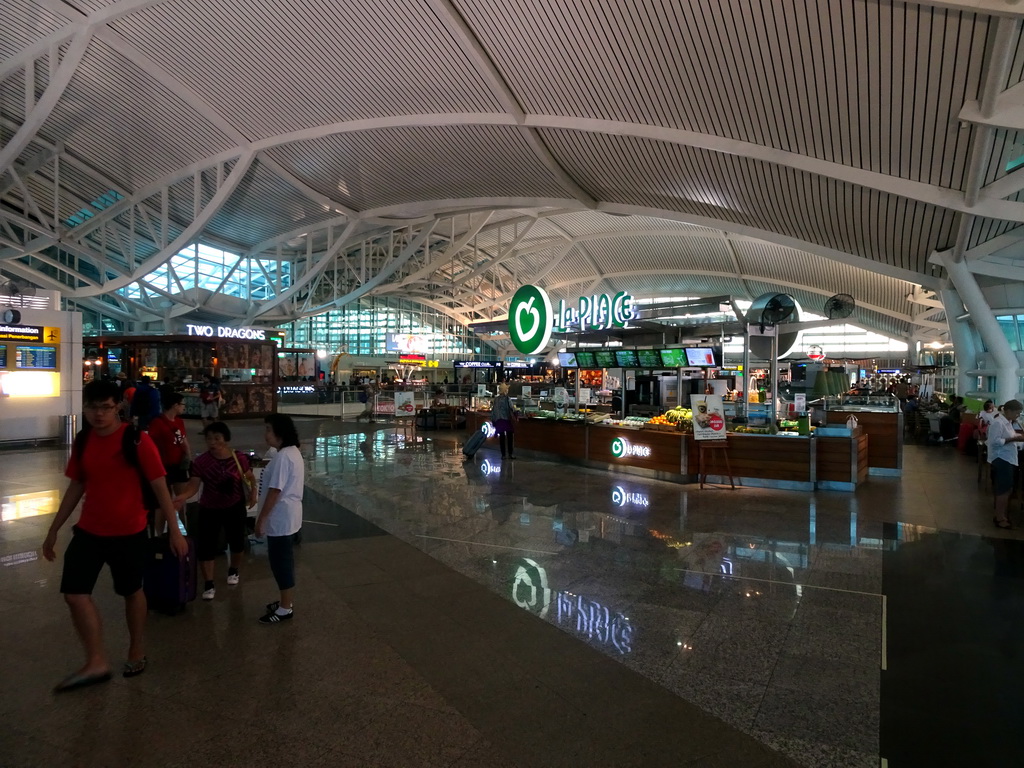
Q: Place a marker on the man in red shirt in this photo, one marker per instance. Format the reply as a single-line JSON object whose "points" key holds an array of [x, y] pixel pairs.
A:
{"points": [[111, 530], [168, 433]]}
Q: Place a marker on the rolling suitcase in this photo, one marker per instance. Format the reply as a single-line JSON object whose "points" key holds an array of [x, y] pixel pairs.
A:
{"points": [[170, 583], [473, 444]]}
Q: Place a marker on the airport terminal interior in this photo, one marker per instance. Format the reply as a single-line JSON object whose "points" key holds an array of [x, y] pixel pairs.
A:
{"points": [[775, 240]]}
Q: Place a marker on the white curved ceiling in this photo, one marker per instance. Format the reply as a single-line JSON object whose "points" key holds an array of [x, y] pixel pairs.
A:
{"points": [[449, 150]]}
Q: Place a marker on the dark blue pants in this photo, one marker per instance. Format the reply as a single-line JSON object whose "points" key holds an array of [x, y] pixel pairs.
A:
{"points": [[281, 553]]}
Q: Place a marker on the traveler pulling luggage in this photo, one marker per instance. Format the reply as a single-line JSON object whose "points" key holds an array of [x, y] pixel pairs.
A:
{"points": [[473, 444]]}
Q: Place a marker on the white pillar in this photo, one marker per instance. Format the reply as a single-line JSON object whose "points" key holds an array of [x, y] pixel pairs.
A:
{"points": [[964, 348], [981, 315]]}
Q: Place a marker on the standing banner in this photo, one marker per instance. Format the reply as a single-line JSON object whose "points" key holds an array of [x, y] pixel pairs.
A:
{"points": [[708, 417], [404, 405]]}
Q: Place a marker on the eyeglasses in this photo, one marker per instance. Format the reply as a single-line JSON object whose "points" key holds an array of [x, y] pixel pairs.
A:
{"points": [[100, 408]]}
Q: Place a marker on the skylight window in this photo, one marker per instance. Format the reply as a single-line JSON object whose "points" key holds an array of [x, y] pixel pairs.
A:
{"points": [[102, 202]]}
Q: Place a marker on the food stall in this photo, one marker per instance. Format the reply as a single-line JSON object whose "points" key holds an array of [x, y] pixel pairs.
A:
{"points": [[881, 419], [666, 450], [246, 365]]}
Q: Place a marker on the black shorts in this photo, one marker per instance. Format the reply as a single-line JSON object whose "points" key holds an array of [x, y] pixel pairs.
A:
{"points": [[88, 553], [1003, 473], [220, 527]]}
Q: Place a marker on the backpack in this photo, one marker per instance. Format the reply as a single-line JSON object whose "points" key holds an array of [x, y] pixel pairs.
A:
{"points": [[130, 439]]}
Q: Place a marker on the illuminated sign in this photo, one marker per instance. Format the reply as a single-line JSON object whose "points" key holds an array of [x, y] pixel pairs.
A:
{"points": [[474, 364], [587, 618], [411, 359], [486, 468], [488, 429], [223, 332], [21, 333], [622, 448], [531, 319], [621, 497]]}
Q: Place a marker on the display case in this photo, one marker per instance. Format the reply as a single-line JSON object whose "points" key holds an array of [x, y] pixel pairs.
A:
{"points": [[881, 419]]}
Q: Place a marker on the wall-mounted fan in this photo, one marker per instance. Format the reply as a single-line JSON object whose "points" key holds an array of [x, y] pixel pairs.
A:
{"points": [[768, 311], [839, 306], [777, 309]]}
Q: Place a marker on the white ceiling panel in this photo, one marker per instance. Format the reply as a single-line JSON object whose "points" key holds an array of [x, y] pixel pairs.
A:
{"points": [[23, 22]]}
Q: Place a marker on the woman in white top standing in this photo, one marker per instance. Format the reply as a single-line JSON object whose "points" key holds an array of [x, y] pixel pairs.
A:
{"points": [[1003, 440], [280, 511]]}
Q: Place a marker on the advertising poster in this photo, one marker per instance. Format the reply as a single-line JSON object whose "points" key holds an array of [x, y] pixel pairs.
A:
{"points": [[404, 405], [527, 391], [708, 417]]}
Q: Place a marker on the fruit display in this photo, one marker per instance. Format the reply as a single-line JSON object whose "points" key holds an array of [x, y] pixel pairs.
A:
{"points": [[679, 415]]}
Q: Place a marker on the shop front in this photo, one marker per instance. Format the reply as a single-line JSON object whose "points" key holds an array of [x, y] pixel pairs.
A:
{"points": [[246, 367]]}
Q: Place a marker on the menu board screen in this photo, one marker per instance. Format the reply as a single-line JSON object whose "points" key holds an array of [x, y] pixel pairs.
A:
{"points": [[38, 358], [567, 359], [702, 356], [626, 358], [605, 358], [649, 358], [673, 358], [586, 359]]}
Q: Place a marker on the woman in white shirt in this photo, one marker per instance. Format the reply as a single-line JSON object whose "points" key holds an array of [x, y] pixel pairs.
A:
{"points": [[1003, 439], [280, 511]]}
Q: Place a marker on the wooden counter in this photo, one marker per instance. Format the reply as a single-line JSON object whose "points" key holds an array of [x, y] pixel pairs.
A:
{"points": [[885, 438], [773, 461]]}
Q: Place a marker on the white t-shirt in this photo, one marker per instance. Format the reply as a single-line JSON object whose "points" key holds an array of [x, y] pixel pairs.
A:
{"points": [[987, 416], [287, 473]]}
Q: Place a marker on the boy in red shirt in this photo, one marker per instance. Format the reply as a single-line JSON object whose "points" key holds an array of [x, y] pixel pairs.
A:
{"points": [[168, 433], [111, 530]]}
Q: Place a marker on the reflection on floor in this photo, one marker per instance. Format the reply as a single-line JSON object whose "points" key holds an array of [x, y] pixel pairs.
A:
{"points": [[771, 610]]}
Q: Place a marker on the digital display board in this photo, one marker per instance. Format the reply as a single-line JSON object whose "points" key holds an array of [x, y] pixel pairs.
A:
{"points": [[604, 358], [567, 359], [700, 356], [586, 359], [626, 358], [3, 356], [36, 358], [649, 358], [673, 358]]}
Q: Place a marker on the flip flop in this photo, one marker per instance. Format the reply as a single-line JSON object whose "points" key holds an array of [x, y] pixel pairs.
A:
{"points": [[134, 668], [75, 681]]}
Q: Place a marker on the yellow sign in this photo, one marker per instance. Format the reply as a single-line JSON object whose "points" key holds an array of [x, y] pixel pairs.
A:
{"points": [[433, 363], [51, 335]]}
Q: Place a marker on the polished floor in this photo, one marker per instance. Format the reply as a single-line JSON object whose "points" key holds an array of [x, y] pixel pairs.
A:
{"points": [[531, 613]]}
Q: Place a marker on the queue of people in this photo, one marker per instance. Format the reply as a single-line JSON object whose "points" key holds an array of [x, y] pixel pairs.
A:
{"points": [[133, 479]]}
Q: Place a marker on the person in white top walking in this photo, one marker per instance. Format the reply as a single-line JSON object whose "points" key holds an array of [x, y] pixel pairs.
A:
{"points": [[280, 511], [1004, 438]]}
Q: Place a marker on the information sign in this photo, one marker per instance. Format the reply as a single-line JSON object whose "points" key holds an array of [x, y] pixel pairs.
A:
{"points": [[21, 333], [708, 417]]}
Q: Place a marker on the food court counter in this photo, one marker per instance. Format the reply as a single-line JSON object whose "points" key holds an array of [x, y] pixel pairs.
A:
{"points": [[769, 461], [885, 437]]}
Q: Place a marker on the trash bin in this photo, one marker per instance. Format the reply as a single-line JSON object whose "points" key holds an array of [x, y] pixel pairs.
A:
{"points": [[70, 428]]}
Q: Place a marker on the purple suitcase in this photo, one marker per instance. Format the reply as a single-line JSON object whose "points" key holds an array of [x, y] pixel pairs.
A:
{"points": [[170, 583]]}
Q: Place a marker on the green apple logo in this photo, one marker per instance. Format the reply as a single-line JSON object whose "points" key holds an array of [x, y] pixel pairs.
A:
{"points": [[529, 319], [619, 447]]}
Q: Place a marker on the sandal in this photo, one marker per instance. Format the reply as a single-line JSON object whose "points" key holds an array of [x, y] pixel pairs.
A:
{"points": [[134, 668], [75, 681]]}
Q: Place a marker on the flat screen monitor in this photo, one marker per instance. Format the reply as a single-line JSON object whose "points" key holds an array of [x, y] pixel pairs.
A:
{"points": [[605, 358], [36, 358], [673, 358], [649, 358], [567, 359], [586, 359], [626, 358], [703, 357]]}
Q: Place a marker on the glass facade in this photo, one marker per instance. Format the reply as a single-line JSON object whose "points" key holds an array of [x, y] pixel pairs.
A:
{"points": [[212, 269], [362, 327]]}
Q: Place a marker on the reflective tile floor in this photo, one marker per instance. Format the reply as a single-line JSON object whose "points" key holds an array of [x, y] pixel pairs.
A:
{"points": [[546, 614]]}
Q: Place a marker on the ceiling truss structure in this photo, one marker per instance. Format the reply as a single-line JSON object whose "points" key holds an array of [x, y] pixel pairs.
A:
{"points": [[625, 177]]}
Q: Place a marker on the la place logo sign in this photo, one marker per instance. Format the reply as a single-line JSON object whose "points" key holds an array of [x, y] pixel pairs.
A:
{"points": [[621, 497], [622, 449], [531, 318]]}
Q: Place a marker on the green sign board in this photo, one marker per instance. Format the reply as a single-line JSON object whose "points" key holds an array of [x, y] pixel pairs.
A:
{"points": [[531, 319]]}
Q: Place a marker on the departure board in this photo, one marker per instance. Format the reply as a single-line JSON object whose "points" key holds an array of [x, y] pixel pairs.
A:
{"points": [[36, 358], [586, 359], [3, 357], [673, 358], [605, 358], [649, 358]]}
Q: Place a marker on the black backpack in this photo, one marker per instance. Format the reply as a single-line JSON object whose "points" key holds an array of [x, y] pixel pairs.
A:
{"points": [[130, 439]]}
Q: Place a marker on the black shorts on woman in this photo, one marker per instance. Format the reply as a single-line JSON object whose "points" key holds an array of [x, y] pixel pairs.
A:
{"points": [[215, 521]]}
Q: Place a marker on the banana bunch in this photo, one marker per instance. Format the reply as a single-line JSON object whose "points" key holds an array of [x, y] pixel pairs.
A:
{"points": [[679, 415]]}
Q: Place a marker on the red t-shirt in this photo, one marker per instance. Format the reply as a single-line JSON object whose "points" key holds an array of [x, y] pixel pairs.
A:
{"points": [[113, 489], [169, 436]]}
